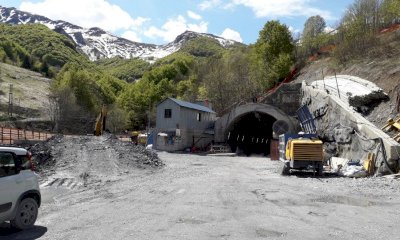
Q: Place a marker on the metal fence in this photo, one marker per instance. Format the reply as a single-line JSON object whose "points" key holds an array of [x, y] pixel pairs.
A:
{"points": [[9, 135]]}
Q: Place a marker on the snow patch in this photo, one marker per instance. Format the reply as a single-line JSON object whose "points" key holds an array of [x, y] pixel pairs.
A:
{"points": [[101, 44]]}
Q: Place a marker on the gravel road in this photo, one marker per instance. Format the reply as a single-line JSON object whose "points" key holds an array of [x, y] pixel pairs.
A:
{"points": [[204, 197]]}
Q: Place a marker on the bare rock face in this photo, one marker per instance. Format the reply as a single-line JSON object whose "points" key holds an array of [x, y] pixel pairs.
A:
{"points": [[343, 135], [365, 104]]}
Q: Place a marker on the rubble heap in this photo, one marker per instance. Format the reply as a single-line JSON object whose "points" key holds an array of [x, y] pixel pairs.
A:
{"points": [[128, 153], [46, 154], [42, 153]]}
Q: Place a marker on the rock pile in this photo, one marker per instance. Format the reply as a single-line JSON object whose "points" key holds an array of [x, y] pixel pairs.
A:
{"points": [[46, 154], [130, 154], [42, 155]]}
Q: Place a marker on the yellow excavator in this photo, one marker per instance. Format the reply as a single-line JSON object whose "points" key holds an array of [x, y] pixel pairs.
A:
{"points": [[100, 125]]}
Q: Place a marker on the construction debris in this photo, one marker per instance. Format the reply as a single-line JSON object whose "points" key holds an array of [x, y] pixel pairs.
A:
{"points": [[46, 154], [42, 156], [393, 124]]}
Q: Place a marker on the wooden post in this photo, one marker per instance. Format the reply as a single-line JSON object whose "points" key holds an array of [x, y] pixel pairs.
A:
{"points": [[337, 85], [10, 136], [25, 134], [39, 136]]}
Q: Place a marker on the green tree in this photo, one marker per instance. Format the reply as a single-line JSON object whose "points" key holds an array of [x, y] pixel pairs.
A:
{"points": [[313, 37], [274, 45], [358, 29], [391, 11], [226, 80], [314, 25]]}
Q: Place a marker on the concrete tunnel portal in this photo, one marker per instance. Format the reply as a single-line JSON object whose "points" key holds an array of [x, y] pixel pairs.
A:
{"points": [[249, 128], [251, 133]]}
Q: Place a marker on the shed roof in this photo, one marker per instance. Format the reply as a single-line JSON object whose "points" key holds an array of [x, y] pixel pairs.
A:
{"points": [[191, 105]]}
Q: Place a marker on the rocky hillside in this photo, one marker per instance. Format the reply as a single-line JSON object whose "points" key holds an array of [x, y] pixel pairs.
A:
{"points": [[380, 64], [97, 43]]}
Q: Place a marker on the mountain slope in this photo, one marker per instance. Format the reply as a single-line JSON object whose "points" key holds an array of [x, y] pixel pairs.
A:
{"points": [[97, 43], [30, 93], [379, 64], [45, 51]]}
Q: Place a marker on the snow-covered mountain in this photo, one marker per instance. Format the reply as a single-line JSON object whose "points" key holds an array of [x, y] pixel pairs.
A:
{"points": [[97, 43]]}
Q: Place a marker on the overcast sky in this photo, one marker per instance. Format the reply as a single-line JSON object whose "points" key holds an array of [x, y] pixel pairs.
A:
{"points": [[160, 21]]}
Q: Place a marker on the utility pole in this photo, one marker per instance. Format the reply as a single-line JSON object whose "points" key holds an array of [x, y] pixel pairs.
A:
{"points": [[10, 101]]}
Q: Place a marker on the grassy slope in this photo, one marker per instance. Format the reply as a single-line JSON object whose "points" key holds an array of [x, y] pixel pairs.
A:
{"points": [[31, 92], [44, 45]]}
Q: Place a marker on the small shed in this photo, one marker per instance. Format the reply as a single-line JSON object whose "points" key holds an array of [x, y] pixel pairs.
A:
{"points": [[181, 125]]}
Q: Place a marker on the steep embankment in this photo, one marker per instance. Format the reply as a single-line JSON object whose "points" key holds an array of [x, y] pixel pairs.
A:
{"points": [[381, 65], [30, 93]]}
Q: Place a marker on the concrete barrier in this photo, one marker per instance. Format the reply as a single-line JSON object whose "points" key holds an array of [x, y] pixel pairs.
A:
{"points": [[353, 135]]}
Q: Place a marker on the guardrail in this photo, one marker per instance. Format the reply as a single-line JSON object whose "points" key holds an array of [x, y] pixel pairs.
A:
{"points": [[9, 135]]}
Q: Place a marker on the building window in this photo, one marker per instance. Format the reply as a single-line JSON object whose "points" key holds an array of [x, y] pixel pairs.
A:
{"points": [[199, 117], [167, 113]]}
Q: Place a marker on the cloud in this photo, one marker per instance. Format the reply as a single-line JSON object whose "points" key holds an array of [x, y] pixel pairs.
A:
{"points": [[231, 34], [283, 8], [208, 4], [131, 35], [85, 13], [194, 15], [293, 30], [329, 29], [173, 27]]}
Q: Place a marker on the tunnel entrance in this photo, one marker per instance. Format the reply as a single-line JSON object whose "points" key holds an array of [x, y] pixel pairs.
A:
{"points": [[251, 133]]}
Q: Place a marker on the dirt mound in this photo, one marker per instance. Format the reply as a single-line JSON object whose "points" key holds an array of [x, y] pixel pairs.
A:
{"points": [[130, 154], [59, 150], [42, 156]]}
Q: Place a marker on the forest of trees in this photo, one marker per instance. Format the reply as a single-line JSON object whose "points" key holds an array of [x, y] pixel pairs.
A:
{"points": [[202, 69]]}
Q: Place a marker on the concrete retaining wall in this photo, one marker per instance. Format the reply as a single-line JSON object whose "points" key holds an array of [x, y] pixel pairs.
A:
{"points": [[287, 98], [347, 134]]}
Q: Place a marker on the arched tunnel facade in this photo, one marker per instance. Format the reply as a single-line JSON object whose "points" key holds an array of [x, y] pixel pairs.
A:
{"points": [[248, 129]]}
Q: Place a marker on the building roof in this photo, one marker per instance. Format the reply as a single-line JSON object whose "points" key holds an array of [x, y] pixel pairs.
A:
{"points": [[192, 105]]}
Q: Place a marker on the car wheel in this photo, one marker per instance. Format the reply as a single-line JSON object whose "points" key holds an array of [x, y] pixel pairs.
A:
{"points": [[26, 214]]}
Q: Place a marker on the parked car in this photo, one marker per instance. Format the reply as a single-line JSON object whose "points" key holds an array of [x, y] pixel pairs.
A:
{"points": [[19, 188]]}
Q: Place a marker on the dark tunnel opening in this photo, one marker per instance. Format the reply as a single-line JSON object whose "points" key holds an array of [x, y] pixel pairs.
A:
{"points": [[251, 134]]}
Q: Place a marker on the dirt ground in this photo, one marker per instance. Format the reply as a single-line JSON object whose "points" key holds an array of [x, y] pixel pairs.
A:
{"points": [[204, 197]]}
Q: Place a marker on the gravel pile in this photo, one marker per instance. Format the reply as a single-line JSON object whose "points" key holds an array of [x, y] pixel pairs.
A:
{"points": [[130, 154], [42, 153], [46, 154]]}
